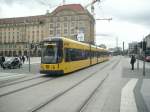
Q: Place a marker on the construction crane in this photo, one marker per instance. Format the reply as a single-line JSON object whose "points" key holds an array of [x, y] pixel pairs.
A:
{"points": [[109, 19], [92, 9], [92, 5]]}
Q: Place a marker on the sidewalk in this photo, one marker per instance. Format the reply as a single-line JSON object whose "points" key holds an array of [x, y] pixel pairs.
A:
{"points": [[33, 60], [142, 89]]}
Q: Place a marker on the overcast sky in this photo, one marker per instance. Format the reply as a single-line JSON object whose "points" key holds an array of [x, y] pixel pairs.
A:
{"points": [[130, 18]]}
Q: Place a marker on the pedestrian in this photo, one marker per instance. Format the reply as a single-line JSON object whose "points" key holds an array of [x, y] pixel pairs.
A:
{"points": [[27, 57], [20, 57], [132, 61], [23, 59], [2, 60]]}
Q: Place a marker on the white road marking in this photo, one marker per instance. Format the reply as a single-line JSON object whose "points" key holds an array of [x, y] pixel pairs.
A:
{"points": [[128, 103], [7, 76]]}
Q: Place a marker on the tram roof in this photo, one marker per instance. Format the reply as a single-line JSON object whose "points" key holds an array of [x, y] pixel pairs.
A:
{"points": [[70, 40]]}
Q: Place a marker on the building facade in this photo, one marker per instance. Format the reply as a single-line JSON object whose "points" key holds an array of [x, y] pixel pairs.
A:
{"points": [[132, 48], [147, 39], [66, 20]]}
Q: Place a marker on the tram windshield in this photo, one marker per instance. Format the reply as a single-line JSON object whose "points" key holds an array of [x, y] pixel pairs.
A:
{"points": [[51, 53]]}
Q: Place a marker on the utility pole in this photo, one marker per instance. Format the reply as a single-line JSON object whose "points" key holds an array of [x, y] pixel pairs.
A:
{"points": [[29, 45], [144, 49], [29, 50], [123, 48], [117, 43], [137, 59]]}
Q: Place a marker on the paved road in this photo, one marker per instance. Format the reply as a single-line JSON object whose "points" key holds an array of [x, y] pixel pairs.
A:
{"points": [[105, 87], [13, 74]]}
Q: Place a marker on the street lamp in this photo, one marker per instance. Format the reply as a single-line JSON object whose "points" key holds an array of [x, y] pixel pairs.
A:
{"points": [[29, 46]]}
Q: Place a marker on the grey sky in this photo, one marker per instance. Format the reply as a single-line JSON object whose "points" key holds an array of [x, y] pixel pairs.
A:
{"points": [[130, 17], [137, 11]]}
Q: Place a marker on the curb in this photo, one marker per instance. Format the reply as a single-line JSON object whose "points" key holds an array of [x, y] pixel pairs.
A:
{"points": [[140, 103]]}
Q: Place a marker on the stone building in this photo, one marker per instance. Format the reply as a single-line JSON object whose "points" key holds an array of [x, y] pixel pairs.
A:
{"points": [[66, 20], [132, 48], [147, 39]]}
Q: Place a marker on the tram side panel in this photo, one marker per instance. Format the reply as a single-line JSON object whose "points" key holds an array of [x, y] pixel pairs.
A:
{"points": [[75, 59]]}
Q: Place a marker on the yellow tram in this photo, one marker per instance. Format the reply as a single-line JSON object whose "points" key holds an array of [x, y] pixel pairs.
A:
{"points": [[62, 55]]}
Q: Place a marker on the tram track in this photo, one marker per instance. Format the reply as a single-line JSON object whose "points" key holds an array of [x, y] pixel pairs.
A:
{"points": [[87, 101], [83, 106], [114, 66], [2, 94], [48, 90], [21, 81], [26, 87], [49, 100]]}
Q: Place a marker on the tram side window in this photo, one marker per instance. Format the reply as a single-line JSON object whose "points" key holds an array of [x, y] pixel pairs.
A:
{"points": [[104, 53], [87, 55], [74, 54], [67, 55], [100, 54]]}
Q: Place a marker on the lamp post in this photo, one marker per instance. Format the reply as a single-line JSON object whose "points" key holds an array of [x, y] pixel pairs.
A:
{"points": [[29, 46], [29, 50], [144, 49]]}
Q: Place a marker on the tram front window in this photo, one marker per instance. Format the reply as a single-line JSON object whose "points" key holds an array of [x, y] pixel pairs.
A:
{"points": [[50, 54]]}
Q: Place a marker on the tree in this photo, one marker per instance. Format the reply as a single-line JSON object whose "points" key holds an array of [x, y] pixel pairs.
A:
{"points": [[102, 45]]}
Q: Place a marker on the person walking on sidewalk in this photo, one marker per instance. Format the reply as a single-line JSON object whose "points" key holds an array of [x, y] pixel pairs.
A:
{"points": [[132, 61]]}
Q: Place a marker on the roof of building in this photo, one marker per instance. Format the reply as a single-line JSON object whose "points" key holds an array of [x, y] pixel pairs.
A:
{"points": [[148, 36], [75, 7], [22, 19]]}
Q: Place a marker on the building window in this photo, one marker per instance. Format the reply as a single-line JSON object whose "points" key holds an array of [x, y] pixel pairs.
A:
{"points": [[65, 31], [81, 17], [72, 31], [58, 32], [73, 18], [51, 32], [32, 38], [72, 24], [0, 39], [17, 38], [9, 38], [81, 24], [10, 46], [58, 25], [51, 25], [65, 25], [37, 33], [51, 19], [14, 45], [65, 18], [58, 19], [4, 39]]}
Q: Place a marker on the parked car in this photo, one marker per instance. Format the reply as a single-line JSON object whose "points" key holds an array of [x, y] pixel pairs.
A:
{"points": [[12, 63], [147, 58]]}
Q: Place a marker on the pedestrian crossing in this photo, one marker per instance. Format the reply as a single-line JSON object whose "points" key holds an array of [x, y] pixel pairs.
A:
{"points": [[10, 76]]}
